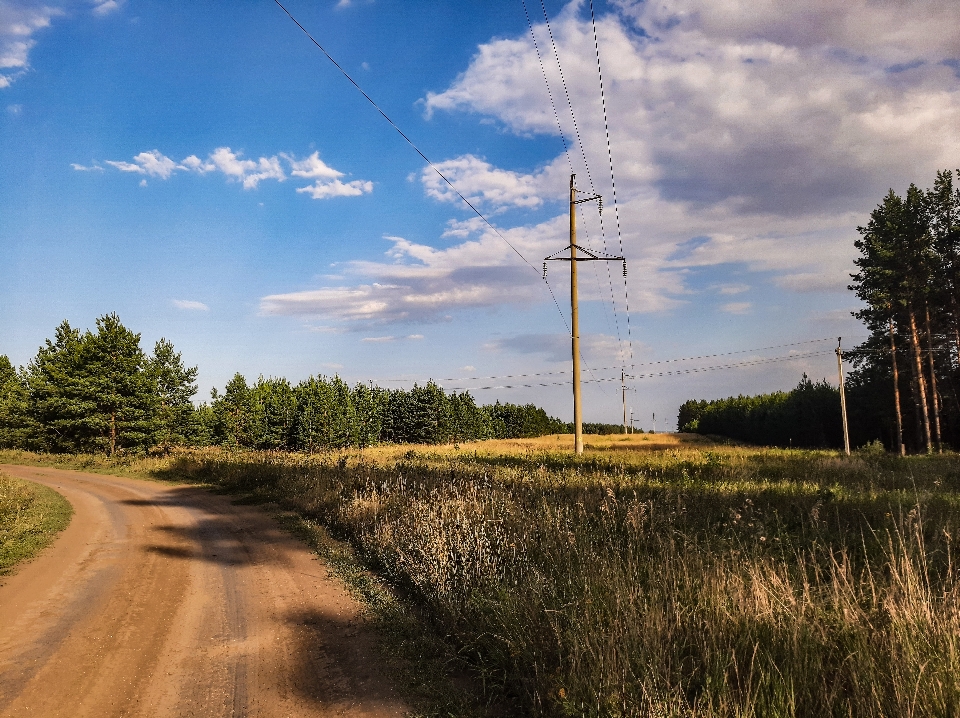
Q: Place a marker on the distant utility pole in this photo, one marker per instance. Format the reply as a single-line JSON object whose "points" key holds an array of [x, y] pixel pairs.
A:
{"points": [[843, 399], [654, 422], [632, 430], [589, 256], [623, 394]]}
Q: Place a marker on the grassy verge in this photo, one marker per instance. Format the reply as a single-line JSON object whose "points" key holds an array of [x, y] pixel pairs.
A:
{"points": [[31, 516], [650, 577]]}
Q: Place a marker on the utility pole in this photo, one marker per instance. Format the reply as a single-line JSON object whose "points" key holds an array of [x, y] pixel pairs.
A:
{"points": [[632, 430], [575, 324], [589, 256], [623, 394], [843, 399], [654, 422]]}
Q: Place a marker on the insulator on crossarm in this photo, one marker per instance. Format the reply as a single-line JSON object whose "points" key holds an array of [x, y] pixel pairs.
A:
{"points": [[600, 204], [624, 270], [544, 270]]}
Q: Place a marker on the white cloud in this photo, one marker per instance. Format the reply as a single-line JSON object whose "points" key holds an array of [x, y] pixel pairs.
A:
{"points": [[82, 168], [326, 190], [736, 307], [815, 281], [420, 283], [105, 7], [248, 172], [415, 337], [378, 340], [14, 109], [195, 164], [190, 305], [483, 184], [312, 167], [19, 21], [151, 163]]}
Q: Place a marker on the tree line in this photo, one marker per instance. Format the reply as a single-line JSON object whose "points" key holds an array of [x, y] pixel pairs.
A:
{"points": [[807, 416], [98, 391], [902, 388]]}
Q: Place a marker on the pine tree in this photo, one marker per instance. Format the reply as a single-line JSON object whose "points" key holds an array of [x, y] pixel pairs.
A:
{"points": [[174, 384], [16, 428], [92, 392]]}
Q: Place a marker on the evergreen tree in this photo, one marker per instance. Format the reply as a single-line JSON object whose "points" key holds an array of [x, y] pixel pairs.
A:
{"points": [[17, 430], [92, 392], [232, 415], [177, 423]]}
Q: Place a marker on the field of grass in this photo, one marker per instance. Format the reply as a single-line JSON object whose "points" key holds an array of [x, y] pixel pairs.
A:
{"points": [[30, 517], [657, 575]]}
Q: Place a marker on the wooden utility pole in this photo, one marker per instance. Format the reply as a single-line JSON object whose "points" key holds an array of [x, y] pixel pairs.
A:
{"points": [[843, 399], [588, 256], [575, 323], [901, 449], [623, 395]]}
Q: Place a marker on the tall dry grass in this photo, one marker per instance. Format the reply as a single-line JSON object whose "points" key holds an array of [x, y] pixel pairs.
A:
{"points": [[713, 581]]}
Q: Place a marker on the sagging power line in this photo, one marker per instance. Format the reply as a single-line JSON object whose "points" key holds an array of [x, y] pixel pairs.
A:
{"points": [[655, 375], [420, 153]]}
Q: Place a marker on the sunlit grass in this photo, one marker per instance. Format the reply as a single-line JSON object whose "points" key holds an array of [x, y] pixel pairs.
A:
{"points": [[658, 575], [30, 517]]}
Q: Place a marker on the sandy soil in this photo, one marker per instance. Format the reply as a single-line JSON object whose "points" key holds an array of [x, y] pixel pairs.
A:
{"points": [[172, 601]]}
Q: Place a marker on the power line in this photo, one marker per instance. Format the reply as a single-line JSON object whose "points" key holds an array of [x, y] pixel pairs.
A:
{"points": [[613, 182], [632, 366], [678, 372], [583, 153], [419, 152]]}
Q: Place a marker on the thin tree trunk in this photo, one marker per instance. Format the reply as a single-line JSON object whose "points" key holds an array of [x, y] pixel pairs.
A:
{"points": [[935, 398], [921, 382], [956, 326], [917, 421], [896, 392]]}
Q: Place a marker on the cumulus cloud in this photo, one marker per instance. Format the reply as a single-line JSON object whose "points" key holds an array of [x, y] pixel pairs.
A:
{"points": [[190, 305], [484, 185], [19, 22], [336, 188], [147, 163], [421, 283], [248, 172], [736, 307], [768, 130]]}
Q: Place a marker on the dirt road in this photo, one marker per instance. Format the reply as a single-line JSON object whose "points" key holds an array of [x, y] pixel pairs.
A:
{"points": [[172, 601]]}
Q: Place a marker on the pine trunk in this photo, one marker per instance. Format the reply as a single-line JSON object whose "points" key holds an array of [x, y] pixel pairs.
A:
{"points": [[921, 381], [896, 392], [934, 396]]}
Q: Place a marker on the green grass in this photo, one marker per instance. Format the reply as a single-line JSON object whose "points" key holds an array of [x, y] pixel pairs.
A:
{"points": [[683, 580], [31, 516]]}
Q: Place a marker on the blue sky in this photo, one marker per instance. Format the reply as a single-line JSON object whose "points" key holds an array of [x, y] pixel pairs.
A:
{"points": [[202, 170]]}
